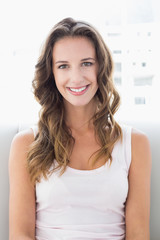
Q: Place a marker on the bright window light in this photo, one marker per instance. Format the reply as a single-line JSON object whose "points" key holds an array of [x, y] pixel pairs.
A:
{"points": [[131, 31]]}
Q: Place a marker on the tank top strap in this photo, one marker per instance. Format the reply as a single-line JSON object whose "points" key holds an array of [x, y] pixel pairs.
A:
{"points": [[125, 146], [35, 130]]}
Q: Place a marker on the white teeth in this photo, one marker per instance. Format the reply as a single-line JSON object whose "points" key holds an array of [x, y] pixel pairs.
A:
{"points": [[78, 90]]}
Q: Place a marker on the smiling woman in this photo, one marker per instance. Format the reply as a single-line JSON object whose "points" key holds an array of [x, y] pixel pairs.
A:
{"points": [[78, 174], [76, 73], [69, 47]]}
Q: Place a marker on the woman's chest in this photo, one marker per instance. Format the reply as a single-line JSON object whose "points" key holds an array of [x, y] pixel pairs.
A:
{"points": [[101, 190], [83, 150]]}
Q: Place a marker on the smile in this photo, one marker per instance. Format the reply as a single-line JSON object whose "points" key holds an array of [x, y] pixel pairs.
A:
{"points": [[78, 91]]}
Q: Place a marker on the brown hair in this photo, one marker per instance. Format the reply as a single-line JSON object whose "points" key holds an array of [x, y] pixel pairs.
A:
{"points": [[54, 139]]}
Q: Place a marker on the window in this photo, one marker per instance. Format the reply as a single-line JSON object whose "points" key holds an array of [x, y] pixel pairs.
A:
{"points": [[131, 34]]}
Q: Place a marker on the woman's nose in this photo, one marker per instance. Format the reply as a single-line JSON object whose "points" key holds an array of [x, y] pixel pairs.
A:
{"points": [[76, 76]]}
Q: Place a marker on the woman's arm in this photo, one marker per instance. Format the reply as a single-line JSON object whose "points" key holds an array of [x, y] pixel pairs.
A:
{"points": [[138, 201], [22, 192]]}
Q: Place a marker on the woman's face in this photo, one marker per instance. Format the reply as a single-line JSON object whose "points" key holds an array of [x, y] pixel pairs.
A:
{"points": [[75, 69]]}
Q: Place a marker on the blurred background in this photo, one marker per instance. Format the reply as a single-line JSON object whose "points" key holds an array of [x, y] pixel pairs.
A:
{"points": [[130, 28]]}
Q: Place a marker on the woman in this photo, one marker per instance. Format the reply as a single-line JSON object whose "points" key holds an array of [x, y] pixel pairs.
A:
{"points": [[79, 174]]}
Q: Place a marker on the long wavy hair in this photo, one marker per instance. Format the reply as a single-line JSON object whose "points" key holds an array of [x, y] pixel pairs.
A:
{"points": [[54, 139]]}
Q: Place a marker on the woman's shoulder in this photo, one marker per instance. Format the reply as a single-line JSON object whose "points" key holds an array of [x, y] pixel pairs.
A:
{"points": [[24, 137], [136, 134], [18, 156], [141, 151], [139, 138], [21, 142], [136, 142]]}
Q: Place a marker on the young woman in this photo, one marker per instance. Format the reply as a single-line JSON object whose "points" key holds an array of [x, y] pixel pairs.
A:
{"points": [[78, 174]]}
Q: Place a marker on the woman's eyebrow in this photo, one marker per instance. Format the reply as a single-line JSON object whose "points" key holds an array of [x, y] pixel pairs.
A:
{"points": [[61, 62], [89, 58], [84, 59]]}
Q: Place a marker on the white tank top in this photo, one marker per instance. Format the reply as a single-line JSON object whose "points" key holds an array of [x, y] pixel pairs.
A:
{"points": [[86, 204]]}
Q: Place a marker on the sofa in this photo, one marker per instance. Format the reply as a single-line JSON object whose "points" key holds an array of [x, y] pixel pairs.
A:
{"points": [[152, 130]]}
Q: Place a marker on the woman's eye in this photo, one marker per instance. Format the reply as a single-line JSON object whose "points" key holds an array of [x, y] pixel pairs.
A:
{"points": [[63, 66], [86, 64]]}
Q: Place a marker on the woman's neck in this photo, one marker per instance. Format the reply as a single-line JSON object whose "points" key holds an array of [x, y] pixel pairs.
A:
{"points": [[80, 118]]}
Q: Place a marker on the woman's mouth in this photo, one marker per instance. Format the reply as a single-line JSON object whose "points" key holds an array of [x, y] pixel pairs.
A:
{"points": [[78, 91]]}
